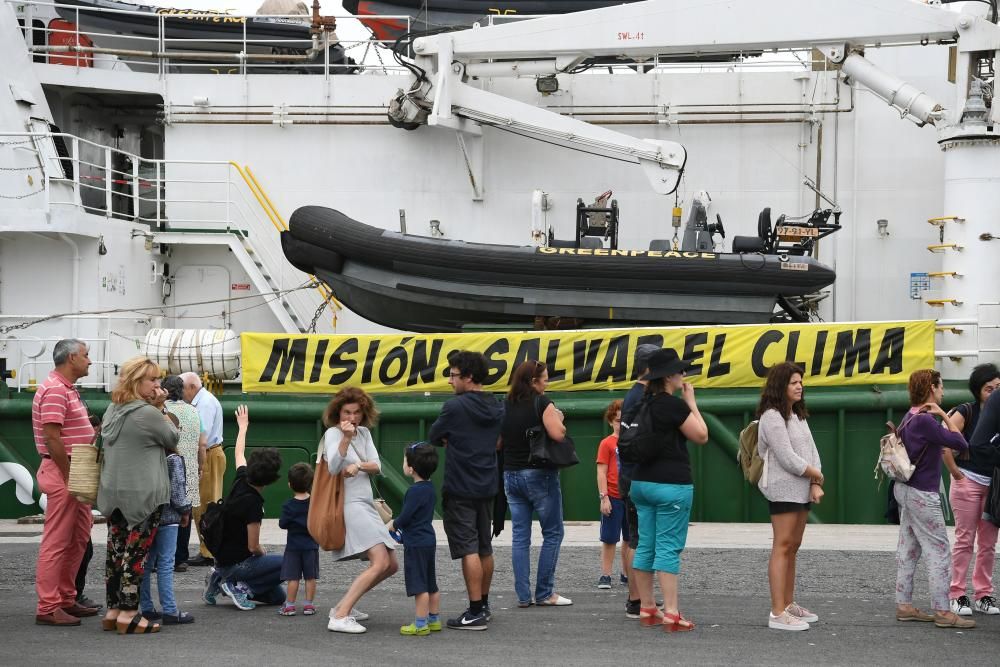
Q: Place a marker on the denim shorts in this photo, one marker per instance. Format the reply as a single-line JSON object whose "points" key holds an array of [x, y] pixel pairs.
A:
{"points": [[300, 565], [613, 526]]}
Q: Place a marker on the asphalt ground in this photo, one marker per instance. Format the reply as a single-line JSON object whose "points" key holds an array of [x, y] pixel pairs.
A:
{"points": [[723, 590]]}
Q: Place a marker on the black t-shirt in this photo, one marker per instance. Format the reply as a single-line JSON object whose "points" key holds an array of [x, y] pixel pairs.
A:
{"points": [[243, 506], [519, 417], [672, 465], [970, 413]]}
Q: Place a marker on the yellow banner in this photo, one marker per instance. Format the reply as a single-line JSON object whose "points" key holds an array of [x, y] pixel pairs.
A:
{"points": [[724, 356]]}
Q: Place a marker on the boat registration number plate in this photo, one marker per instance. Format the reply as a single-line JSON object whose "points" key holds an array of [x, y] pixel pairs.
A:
{"points": [[795, 266], [793, 233]]}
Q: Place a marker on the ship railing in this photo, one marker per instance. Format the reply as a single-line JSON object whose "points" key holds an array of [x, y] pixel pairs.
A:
{"points": [[244, 55], [167, 195], [986, 346], [65, 43], [32, 355]]}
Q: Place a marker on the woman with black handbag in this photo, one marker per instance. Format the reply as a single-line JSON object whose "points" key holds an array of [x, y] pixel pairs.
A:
{"points": [[532, 486]]}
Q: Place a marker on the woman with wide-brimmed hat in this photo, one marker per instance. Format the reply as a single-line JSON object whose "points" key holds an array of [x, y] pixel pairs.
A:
{"points": [[663, 488]]}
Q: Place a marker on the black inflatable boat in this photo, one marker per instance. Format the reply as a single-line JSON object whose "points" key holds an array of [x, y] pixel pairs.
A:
{"points": [[422, 284]]}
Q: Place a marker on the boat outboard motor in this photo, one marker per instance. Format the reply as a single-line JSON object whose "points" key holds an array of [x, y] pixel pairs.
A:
{"points": [[698, 232]]}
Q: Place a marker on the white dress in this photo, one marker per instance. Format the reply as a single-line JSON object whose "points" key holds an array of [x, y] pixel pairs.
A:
{"points": [[364, 526]]}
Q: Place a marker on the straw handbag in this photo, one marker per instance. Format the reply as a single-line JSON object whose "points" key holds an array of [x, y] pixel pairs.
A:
{"points": [[85, 473], [381, 506]]}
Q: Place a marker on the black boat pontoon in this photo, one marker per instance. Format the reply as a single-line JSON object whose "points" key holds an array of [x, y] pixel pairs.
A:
{"points": [[423, 284]]}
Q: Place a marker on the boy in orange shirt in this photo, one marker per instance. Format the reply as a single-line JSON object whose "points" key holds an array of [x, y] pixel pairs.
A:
{"points": [[613, 527]]}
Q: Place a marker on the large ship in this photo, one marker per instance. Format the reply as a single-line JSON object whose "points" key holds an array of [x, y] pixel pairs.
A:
{"points": [[152, 158]]}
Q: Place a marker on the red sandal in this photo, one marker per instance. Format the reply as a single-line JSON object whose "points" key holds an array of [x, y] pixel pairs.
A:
{"points": [[651, 617], [676, 623]]}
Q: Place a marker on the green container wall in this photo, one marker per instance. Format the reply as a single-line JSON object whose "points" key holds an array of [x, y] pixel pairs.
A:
{"points": [[846, 423]]}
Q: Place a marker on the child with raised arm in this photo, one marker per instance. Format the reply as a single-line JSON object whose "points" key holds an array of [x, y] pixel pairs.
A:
{"points": [[243, 569], [419, 542], [301, 558]]}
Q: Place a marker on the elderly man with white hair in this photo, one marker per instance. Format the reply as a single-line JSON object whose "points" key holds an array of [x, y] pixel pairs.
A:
{"points": [[210, 486]]}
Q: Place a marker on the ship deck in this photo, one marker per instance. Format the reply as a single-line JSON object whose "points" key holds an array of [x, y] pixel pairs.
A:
{"points": [[846, 575]]}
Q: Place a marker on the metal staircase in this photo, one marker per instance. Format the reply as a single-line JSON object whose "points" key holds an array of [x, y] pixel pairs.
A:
{"points": [[200, 203]]}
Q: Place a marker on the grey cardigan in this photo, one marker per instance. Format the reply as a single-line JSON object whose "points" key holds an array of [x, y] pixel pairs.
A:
{"points": [[786, 447], [134, 476]]}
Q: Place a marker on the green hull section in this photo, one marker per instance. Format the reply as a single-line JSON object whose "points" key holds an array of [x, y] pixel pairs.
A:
{"points": [[846, 423]]}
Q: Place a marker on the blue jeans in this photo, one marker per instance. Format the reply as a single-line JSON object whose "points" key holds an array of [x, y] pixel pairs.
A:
{"points": [[161, 561], [261, 574], [534, 490]]}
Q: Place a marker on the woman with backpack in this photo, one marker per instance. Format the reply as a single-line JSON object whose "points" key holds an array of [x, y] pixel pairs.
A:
{"points": [[532, 488], [663, 488], [921, 522], [792, 480], [970, 483]]}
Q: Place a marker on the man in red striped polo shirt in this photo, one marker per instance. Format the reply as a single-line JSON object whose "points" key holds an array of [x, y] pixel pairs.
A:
{"points": [[60, 421]]}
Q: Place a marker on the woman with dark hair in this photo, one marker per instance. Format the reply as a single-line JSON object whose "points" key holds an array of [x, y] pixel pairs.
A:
{"points": [[350, 450], [921, 522], [970, 483], [663, 488], [791, 482], [531, 487], [191, 447]]}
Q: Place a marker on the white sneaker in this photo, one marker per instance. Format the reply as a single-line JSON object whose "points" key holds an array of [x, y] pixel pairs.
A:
{"points": [[961, 606], [801, 613], [355, 613], [554, 600], [346, 624], [987, 605], [786, 621]]}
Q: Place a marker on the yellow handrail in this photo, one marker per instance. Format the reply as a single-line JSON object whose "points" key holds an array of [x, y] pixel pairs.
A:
{"points": [[944, 246], [954, 330], [279, 223], [253, 191], [284, 225], [939, 303], [944, 274]]}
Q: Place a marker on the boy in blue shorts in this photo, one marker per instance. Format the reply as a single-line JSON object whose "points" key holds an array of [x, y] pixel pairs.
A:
{"points": [[419, 542], [301, 551], [613, 527]]}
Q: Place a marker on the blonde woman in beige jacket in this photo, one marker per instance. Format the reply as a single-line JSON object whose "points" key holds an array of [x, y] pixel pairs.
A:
{"points": [[791, 482]]}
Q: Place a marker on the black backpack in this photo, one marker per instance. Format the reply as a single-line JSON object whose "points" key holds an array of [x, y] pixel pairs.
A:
{"points": [[211, 525], [638, 442]]}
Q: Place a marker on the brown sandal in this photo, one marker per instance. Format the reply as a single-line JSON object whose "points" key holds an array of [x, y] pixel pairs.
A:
{"points": [[676, 623], [109, 624], [133, 627]]}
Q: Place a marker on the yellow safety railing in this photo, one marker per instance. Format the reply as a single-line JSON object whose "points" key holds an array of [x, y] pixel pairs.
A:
{"points": [[279, 223], [940, 247], [954, 330], [939, 303], [944, 274]]}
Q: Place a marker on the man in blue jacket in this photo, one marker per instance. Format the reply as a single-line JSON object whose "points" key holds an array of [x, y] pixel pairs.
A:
{"points": [[469, 426]]}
